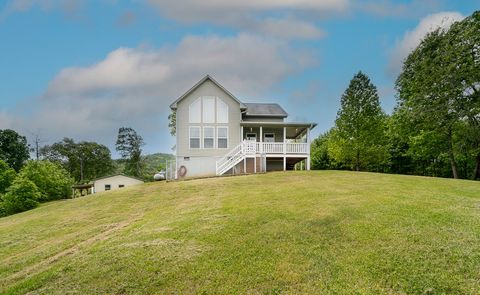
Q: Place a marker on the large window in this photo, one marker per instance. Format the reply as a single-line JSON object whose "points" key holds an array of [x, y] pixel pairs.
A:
{"points": [[222, 137], [208, 109], [194, 137], [195, 111], [222, 111], [208, 137]]}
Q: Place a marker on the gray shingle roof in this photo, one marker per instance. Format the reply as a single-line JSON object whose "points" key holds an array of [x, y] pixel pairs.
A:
{"points": [[265, 110]]}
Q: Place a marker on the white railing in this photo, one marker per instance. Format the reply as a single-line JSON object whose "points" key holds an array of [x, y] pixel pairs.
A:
{"points": [[296, 148], [251, 148], [230, 159], [281, 148], [273, 147]]}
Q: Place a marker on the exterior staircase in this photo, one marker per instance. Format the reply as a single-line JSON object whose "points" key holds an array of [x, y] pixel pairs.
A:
{"points": [[236, 155]]}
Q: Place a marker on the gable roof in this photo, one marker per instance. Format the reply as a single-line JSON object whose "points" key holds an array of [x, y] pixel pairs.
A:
{"points": [[173, 106], [119, 174], [265, 110]]}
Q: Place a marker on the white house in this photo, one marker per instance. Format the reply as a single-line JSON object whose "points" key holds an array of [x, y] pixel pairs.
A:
{"points": [[114, 182], [218, 134]]}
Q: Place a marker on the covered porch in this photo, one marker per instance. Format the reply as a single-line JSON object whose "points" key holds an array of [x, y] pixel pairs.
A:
{"points": [[277, 145], [277, 138]]}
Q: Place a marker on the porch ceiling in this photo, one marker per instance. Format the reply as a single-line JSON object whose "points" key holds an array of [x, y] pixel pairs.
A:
{"points": [[310, 125], [293, 129]]}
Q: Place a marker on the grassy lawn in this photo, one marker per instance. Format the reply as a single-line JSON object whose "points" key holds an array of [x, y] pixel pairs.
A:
{"points": [[322, 232]]}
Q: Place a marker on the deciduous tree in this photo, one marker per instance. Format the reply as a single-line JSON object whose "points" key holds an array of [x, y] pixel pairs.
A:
{"points": [[129, 145], [13, 148]]}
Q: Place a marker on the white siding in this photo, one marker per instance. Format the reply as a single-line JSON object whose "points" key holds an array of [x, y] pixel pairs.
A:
{"points": [[115, 182], [207, 89]]}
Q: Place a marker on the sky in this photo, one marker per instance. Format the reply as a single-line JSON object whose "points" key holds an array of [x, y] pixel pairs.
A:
{"points": [[83, 68]]}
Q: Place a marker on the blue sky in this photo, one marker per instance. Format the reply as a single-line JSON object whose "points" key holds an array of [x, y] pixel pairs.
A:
{"points": [[83, 69]]}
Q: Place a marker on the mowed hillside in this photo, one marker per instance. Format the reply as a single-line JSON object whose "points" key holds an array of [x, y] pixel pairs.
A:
{"points": [[327, 232]]}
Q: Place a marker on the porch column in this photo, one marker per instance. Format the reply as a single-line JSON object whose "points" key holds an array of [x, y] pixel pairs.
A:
{"points": [[308, 149], [284, 163], [261, 140], [284, 142], [241, 134]]}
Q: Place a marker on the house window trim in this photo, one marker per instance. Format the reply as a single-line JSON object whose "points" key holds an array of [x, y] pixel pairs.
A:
{"points": [[227, 137], [190, 138], [213, 137]]}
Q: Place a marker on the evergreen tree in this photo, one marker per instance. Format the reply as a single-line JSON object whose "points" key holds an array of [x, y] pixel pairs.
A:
{"points": [[358, 138]]}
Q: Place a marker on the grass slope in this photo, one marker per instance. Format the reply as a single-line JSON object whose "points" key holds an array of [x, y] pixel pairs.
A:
{"points": [[317, 232]]}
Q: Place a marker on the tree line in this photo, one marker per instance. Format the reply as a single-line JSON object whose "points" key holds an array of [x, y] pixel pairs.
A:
{"points": [[434, 129], [25, 183]]}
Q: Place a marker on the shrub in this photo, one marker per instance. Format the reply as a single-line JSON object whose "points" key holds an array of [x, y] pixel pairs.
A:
{"points": [[2, 207], [21, 196], [52, 180], [7, 175]]}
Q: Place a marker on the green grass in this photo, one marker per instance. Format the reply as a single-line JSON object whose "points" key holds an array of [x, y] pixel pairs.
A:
{"points": [[324, 232]]}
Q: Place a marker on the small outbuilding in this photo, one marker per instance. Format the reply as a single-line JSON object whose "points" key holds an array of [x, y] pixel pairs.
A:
{"points": [[114, 182]]}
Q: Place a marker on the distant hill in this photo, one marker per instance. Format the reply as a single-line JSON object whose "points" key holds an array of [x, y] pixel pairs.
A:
{"points": [[153, 164], [156, 162]]}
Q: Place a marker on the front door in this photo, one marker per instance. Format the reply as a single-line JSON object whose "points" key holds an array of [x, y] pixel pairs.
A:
{"points": [[269, 137], [251, 136]]}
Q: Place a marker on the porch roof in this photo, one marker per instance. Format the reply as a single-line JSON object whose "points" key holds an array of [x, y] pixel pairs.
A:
{"points": [[310, 125], [265, 110]]}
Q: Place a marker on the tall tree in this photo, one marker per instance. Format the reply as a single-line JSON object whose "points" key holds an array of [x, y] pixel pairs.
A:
{"points": [[129, 145], [440, 89], [358, 138], [84, 160], [426, 91], [463, 70], [14, 149]]}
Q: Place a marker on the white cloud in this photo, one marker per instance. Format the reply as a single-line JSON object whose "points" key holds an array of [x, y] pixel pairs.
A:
{"points": [[134, 86], [390, 8], [290, 28], [68, 7], [411, 39], [276, 18], [209, 10]]}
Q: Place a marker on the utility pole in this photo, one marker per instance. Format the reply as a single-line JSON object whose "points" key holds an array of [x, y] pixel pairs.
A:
{"points": [[37, 142]]}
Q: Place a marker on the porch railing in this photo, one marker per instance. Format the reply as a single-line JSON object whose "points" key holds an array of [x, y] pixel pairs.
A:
{"points": [[282, 148]]}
